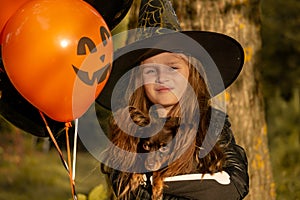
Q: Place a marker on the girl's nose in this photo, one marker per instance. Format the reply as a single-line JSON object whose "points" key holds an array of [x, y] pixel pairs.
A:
{"points": [[162, 75]]}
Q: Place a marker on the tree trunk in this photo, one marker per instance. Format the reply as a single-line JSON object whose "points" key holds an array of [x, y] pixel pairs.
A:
{"points": [[240, 20]]}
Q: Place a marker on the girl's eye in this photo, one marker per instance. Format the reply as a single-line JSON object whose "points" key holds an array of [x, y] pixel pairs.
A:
{"points": [[149, 71], [173, 68]]}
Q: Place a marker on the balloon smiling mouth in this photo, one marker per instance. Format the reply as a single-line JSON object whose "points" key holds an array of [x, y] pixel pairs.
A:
{"points": [[98, 75]]}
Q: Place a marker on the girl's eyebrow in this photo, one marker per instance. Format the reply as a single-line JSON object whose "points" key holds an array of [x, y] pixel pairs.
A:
{"points": [[175, 61]]}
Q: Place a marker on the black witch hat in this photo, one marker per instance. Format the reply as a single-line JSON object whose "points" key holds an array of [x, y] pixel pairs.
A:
{"points": [[158, 31]]}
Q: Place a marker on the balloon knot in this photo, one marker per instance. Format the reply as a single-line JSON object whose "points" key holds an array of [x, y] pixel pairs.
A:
{"points": [[68, 124]]}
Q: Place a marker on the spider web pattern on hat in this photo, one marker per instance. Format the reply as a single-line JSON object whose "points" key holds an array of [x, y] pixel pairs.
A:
{"points": [[155, 16]]}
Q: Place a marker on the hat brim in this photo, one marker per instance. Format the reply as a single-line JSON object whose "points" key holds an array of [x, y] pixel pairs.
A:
{"points": [[222, 58]]}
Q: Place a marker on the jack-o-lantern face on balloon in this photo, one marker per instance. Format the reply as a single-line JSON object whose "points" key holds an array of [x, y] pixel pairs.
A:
{"points": [[88, 75], [58, 55], [86, 43]]}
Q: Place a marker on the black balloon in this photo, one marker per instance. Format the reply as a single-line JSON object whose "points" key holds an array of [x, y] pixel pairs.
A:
{"points": [[19, 112], [112, 11]]}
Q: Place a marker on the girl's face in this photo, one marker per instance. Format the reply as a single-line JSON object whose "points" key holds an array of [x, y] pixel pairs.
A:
{"points": [[165, 78]]}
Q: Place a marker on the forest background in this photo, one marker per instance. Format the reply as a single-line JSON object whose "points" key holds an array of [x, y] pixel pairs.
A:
{"points": [[29, 171]]}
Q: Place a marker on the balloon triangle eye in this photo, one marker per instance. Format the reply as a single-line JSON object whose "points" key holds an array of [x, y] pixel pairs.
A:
{"points": [[102, 58]]}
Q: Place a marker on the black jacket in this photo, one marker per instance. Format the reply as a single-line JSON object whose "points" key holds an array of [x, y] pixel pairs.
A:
{"points": [[236, 166]]}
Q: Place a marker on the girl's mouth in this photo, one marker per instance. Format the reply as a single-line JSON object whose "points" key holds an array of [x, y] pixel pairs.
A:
{"points": [[163, 89]]}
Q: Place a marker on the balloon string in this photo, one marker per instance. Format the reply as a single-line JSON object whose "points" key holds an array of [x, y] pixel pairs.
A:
{"points": [[55, 142], [75, 148], [72, 181]]}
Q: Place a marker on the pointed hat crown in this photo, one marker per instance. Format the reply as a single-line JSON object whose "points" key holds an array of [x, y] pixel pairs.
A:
{"points": [[155, 16]]}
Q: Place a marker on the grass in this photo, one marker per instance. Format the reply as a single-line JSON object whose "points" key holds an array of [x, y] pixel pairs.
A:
{"points": [[284, 139], [31, 174]]}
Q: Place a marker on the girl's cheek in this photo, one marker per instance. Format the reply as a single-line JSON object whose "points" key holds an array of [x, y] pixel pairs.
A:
{"points": [[148, 79]]}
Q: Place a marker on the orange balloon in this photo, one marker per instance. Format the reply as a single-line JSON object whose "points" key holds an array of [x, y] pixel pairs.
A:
{"points": [[7, 9], [58, 55]]}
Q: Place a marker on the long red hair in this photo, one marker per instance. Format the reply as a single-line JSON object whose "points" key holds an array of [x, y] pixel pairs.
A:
{"points": [[189, 138]]}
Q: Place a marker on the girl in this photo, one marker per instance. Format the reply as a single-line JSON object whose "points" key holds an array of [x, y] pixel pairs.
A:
{"points": [[205, 163]]}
